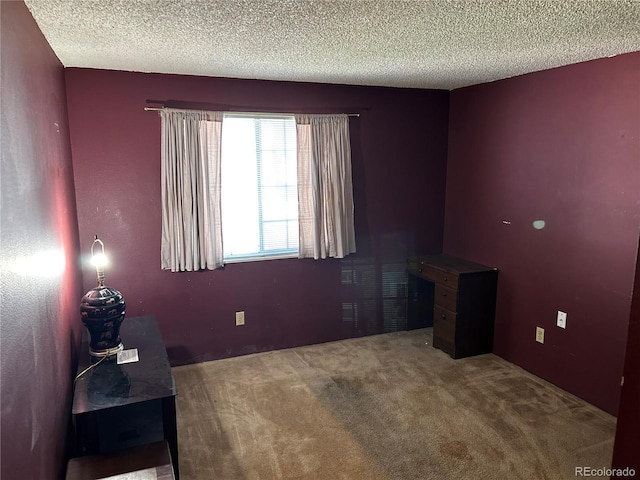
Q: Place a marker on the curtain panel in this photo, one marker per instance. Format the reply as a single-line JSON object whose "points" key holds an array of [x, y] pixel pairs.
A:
{"points": [[325, 190], [191, 209]]}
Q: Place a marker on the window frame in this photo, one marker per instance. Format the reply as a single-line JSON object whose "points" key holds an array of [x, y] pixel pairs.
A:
{"points": [[259, 256]]}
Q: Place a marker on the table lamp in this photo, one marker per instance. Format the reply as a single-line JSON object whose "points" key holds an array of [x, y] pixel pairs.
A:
{"points": [[102, 310]]}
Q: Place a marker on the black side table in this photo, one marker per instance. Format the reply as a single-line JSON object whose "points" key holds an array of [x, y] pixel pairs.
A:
{"points": [[121, 406]]}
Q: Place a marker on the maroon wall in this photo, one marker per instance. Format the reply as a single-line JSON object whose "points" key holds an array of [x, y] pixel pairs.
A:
{"points": [[40, 321], [560, 146], [399, 161], [627, 444]]}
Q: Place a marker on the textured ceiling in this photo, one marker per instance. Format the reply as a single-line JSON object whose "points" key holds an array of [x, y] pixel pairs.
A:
{"points": [[420, 43]]}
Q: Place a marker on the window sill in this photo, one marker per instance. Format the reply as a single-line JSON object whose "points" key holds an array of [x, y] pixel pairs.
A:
{"points": [[259, 258]]}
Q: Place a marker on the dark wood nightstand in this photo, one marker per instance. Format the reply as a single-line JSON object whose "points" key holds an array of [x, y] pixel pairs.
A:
{"points": [[464, 303], [116, 407]]}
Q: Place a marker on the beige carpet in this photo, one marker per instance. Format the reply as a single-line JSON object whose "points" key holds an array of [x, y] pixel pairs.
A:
{"points": [[381, 407]]}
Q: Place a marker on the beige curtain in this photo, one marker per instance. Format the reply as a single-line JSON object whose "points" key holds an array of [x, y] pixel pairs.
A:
{"points": [[325, 191], [191, 214]]}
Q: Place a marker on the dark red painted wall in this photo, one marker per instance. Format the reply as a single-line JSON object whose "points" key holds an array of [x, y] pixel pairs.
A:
{"points": [[627, 444], [560, 146], [40, 322], [399, 161]]}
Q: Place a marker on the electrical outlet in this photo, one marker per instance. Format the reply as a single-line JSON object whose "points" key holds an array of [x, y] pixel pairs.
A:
{"points": [[539, 334], [562, 319], [239, 318]]}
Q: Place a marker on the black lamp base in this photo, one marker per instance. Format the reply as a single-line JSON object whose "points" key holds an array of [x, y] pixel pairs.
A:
{"points": [[102, 310]]}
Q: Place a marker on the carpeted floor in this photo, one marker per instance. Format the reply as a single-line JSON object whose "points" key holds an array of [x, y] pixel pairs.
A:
{"points": [[381, 407]]}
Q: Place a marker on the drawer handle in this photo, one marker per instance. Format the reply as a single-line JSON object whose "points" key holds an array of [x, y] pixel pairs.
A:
{"points": [[444, 278], [443, 316], [420, 270], [444, 294]]}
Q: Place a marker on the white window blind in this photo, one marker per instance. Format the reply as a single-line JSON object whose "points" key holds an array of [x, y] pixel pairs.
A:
{"points": [[259, 186]]}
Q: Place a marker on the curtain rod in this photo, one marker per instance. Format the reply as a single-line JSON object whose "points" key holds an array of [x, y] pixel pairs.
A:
{"points": [[157, 109]]}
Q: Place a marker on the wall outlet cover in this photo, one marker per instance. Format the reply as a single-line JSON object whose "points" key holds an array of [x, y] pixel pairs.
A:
{"points": [[239, 318], [561, 319], [539, 334]]}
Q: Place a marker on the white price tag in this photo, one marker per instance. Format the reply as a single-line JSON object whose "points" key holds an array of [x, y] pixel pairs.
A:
{"points": [[128, 356]]}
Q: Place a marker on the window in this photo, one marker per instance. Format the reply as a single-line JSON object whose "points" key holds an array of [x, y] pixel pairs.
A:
{"points": [[259, 186], [232, 182]]}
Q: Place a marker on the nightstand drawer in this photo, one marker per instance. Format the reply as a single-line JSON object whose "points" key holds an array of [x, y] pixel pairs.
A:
{"points": [[444, 323], [434, 274], [419, 270], [445, 297], [463, 298]]}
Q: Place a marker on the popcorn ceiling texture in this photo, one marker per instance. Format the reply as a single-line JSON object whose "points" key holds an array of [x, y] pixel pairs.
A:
{"points": [[423, 44]]}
